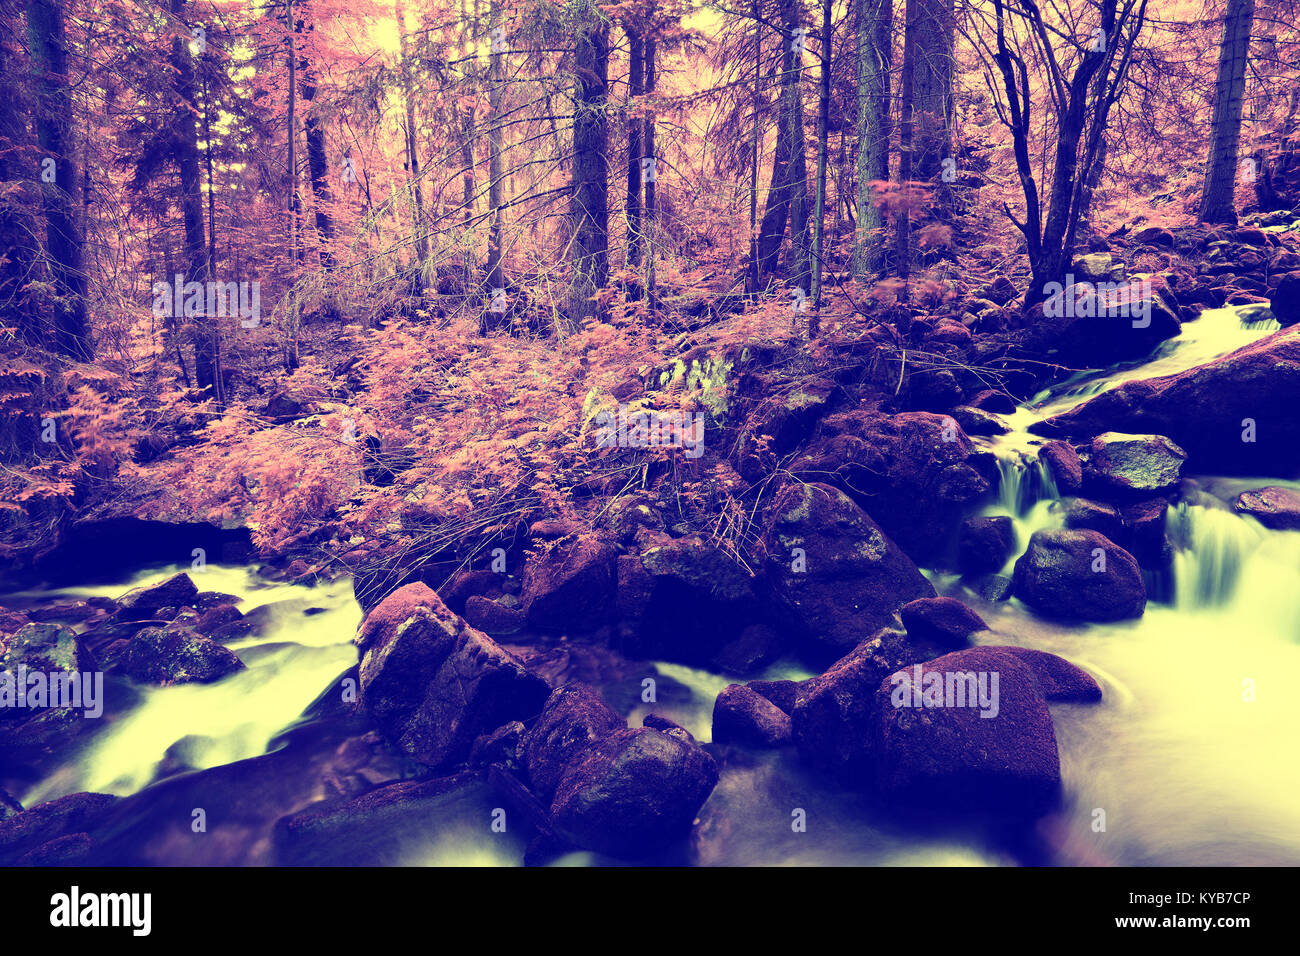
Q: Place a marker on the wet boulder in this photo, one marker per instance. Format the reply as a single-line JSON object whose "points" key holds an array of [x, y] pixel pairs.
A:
{"points": [[1134, 464], [1086, 514], [838, 577], [386, 617], [175, 655], [1285, 300], [1145, 524], [915, 473], [969, 731], [142, 603], [1064, 465], [217, 617], [977, 421], [434, 684], [1273, 507], [985, 544], [778, 424], [25, 832], [493, 617], [633, 792], [1079, 575], [572, 721], [942, 621], [1057, 679], [569, 584], [687, 600], [1089, 325], [1233, 416], [47, 650], [783, 693], [833, 719], [743, 716]]}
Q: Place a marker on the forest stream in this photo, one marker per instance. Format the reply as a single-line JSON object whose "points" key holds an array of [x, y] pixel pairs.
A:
{"points": [[1179, 770]]}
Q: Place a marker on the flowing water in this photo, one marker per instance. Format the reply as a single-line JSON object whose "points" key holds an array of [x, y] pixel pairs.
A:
{"points": [[1192, 757]]}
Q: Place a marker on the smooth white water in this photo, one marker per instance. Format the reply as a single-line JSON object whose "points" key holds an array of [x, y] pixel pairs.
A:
{"points": [[1193, 753], [229, 720]]}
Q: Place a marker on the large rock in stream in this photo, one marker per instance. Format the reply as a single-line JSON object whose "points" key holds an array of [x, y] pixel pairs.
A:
{"points": [[1079, 575], [915, 473], [615, 790], [836, 574], [969, 731], [1134, 465], [1234, 415], [434, 684]]}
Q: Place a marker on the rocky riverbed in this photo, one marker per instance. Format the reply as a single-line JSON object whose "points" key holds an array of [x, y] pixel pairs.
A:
{"points": [[977, 629]]}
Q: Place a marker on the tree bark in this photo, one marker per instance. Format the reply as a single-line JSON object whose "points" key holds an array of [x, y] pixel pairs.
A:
{"points": [[495, 280], [589, 208], [787, 194], [632, 202], [317, 163], [203, 330], [54, 134], [875, 59], [1217, 203], [823, 122]]}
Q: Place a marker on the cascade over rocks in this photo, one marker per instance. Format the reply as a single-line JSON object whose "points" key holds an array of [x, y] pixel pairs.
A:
{"points": [[836, 575], [915, 473], [1232, 416], [1087, 327], [1079, 575]]}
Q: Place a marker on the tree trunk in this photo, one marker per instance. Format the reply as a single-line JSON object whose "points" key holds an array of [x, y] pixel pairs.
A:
{"points": [[787, 197], [204, 330], [495, 280], [412, 155], [823, 122], [632, 202], [903, 230], [1217, 203], [54, 133], [16, 227], [317, 164], [875, 59], [652, 156], [932, 111], [589, 209]]}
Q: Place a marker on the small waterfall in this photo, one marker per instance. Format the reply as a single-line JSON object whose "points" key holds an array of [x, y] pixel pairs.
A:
{"points": [[1024, 482], [1213, 546]]}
